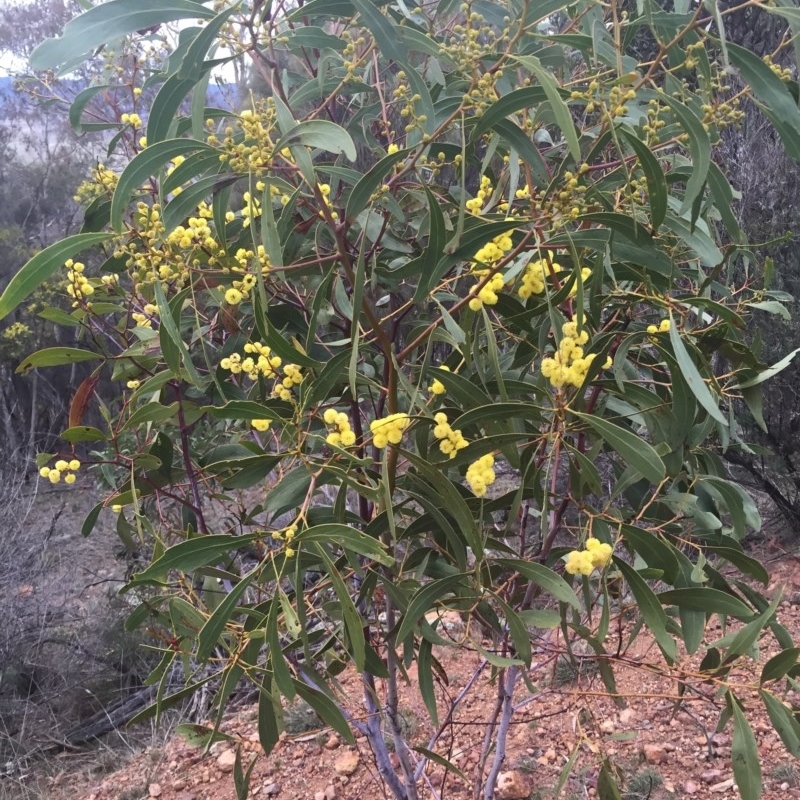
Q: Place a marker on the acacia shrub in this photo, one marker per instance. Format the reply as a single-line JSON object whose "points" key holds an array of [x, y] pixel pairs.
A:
{"points": [[453, 239]]}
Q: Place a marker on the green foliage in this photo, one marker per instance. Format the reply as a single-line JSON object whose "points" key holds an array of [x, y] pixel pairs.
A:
{"points": [[451, 321]]}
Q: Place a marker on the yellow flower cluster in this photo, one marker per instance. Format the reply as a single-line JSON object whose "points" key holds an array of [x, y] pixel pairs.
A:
{"points": [[78, 285], [389, 430], [292, 376], [251, 149], [286, 536], [408, 110], [437, 387], [568, 366], [392, 149], [251, 209], [261, 425], [533, 280], [536, 274], [662, 327], [493, 251], [325, 191], [486, 296], [198, 234], [476, 204], [480, 474], [53, 474], [16, 330], [341, 434], [259, 361], [145, 320], [583, 562], [134, 120], [102, 181], [450, 441]]}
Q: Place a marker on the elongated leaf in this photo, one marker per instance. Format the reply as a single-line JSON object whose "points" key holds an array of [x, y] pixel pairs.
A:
{"points": [[56, 357], [770, 90], [519, 99], [81, 101], [43, 265], [425, 679], [544, 577], [193, 553], [165, 107], [654, 175], [170, 328], [691, 375], [769, 372], [650, 608], [744, 754], [424, 600], [109, 21], [700, 148], [339, 535], [192, 63], [389, 43], [560, 109], [710, 601], [784, 722], [210, 633], [322, 134], [143, 166], [369, 182], [779, 665], [327, 710], [632, 448]]}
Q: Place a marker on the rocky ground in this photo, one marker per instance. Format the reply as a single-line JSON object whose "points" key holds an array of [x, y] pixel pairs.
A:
{"points": [[662, 748]]}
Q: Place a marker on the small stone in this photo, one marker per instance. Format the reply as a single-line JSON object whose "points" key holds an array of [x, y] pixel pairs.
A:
{"points": [[627, 716], [690, 787], [271, 788], [512, 785], [154, 789], [319, 795], [550, 754], [346, 763], [723, 786], [607, 726], [654, 753], [710, 775], [330, 792], [332, 742], [226, 760]]}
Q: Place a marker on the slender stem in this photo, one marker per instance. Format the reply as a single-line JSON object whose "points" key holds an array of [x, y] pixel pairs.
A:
{"points": [[191, 474], [507, 697]]}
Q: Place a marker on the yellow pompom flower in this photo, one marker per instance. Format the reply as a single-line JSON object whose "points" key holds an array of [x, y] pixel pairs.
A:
{"points": [[233, 297], [450, 441], [44, 472], [61, 465], [341, 434], [437, 387], [599, 552], [579, 562], [481, 475], [74, 465], [69, 478], [261, 424], [389, 430], [54, 475]]}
